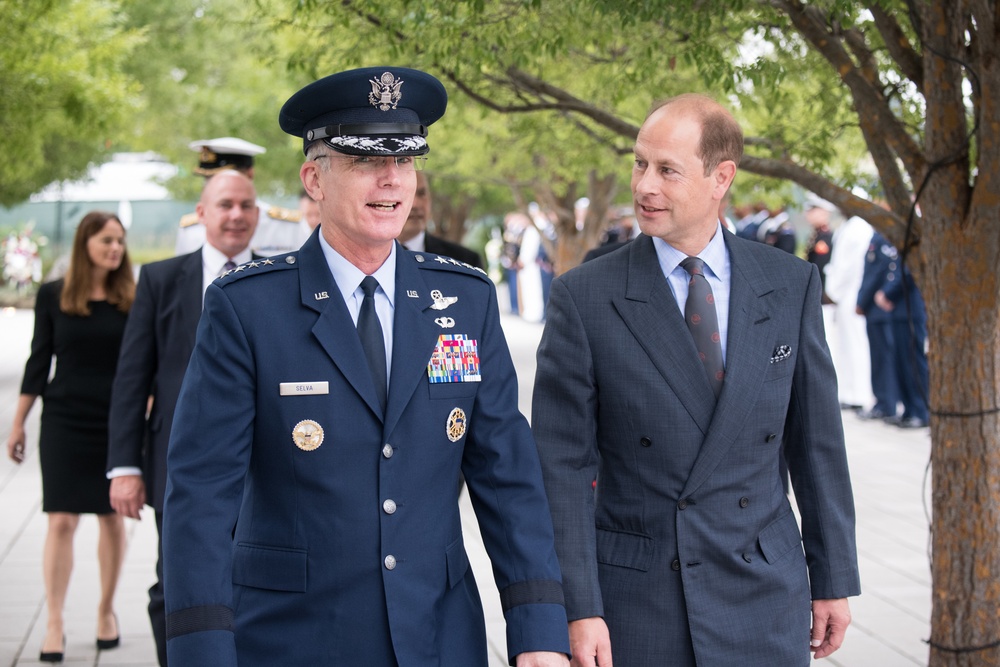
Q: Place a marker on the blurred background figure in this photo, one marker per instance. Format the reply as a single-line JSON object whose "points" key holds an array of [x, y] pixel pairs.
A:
{"points": [[621, 230], [514, 225], [817, 251], [308, 215], [278, 229], [79, 320], [777, 230], [849, 339], [416, 237], [753, 217], [897, 333]]}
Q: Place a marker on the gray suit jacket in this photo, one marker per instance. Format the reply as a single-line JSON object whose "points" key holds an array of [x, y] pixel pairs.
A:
{"points": [[689, 547]]}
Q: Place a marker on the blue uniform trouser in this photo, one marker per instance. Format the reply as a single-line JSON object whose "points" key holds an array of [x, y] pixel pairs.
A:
{"points": [[911, 367], [885, 383]]}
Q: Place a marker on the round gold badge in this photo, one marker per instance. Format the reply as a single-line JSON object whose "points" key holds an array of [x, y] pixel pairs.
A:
{"points": [[456, 424], [308, 435]]}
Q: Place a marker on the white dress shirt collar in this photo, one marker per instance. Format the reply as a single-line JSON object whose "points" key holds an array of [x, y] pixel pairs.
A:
{"points": [[418, 243]]}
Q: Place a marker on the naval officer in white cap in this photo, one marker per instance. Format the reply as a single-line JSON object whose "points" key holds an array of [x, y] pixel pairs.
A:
{"points": [[278, 230]]}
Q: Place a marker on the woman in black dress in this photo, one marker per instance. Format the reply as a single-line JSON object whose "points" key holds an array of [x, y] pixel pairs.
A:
{"points": [[79, 321]]}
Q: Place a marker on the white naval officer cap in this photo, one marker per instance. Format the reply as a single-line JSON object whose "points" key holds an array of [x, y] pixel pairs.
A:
{"points": [[215, 155]]}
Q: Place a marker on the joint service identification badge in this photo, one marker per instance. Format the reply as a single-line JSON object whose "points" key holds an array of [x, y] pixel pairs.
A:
{"points": [[456, 424], [307, 435]]}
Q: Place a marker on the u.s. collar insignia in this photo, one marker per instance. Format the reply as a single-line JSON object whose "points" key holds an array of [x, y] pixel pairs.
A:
{"points": [[385, 93], [307, 435], [456, 424], [440, 301]]}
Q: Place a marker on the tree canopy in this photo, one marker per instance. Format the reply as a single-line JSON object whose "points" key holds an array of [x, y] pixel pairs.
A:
{"points": [[66, 95]]}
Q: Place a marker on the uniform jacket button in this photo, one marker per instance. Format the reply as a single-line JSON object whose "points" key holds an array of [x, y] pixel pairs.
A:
{"points": [[390, 562], [744, 501], [389, 506], [747, 557], [387, 451], [645, 442], [770, 437]]}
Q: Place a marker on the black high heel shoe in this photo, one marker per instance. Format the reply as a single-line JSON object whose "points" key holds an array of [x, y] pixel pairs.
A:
{"points": [[105, 644], [53, 656]]}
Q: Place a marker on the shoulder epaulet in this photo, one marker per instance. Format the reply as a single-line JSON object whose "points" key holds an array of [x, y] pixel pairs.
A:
{"points": [[189, 219], [426, 260], [284, 214], [256, 267]]}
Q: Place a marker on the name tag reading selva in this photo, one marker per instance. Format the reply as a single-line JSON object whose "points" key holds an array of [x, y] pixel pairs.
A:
{"points": [[303, 388], [455, 359]]}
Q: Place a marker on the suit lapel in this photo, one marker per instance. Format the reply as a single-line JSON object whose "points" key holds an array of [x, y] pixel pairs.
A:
{"points": [[750, 333], [191, 296], [414, 336], [650, 311], [334, 329]]}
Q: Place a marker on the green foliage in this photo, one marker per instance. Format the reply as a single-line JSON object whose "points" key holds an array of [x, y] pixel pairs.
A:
{"points": [[66, 95], [209, 73]]}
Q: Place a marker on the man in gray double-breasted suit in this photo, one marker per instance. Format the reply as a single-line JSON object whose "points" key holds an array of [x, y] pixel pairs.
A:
{"points": [[686, 550]]}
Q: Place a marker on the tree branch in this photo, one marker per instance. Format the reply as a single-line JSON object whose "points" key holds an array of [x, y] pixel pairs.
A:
{"points": [[890, 224], [898, 45], [873, 111]]}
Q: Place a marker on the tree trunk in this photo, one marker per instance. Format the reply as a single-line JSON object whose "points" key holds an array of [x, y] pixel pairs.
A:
{"points": [[962, 294], [571, 242], [450, 214]]}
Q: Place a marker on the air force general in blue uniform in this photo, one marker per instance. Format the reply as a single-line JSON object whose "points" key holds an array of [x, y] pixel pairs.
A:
{"points": [[304, 522]]}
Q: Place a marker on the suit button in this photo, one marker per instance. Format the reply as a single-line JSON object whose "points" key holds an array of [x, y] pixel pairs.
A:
{"points": [[770, 437], [645, 442], [390, 562], [682, 505], [675, 566], [389, 506], [387, 451], [747, 557], [744, 501]]}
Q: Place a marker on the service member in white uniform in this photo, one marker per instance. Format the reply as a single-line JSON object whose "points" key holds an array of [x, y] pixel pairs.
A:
{"points": [[278, 230]]}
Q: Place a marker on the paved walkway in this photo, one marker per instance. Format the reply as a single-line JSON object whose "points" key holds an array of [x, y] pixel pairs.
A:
{"points": [[891, 618]]}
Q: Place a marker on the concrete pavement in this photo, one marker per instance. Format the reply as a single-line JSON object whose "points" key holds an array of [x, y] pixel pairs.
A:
{"points": [[888, 465]]}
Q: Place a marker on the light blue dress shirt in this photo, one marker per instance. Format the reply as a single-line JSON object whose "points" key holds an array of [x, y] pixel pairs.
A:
{"points": [[348, 278], [717, 272]]}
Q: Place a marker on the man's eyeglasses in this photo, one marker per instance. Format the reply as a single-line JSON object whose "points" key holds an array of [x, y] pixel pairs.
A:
{"points": [[374, 163]]}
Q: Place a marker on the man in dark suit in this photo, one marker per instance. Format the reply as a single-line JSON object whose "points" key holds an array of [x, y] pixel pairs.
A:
{"points": [[157, 344], [332, 399], [416, 237], [673, 382]]}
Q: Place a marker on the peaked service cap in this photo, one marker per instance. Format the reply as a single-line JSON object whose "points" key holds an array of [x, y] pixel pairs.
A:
{"points": [[215, 155], [367, 111]]}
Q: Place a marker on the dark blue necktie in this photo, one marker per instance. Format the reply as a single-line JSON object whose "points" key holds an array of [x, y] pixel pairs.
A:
{"points": [[703, 322], [370, 333]]}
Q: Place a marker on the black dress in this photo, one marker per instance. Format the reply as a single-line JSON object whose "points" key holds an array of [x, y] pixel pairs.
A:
{"points": [[73, 439]]}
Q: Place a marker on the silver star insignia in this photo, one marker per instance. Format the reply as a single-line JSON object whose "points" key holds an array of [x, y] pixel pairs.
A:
{"points": [[254, 264], [267, 261], [240, 268], [441, 259]]}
